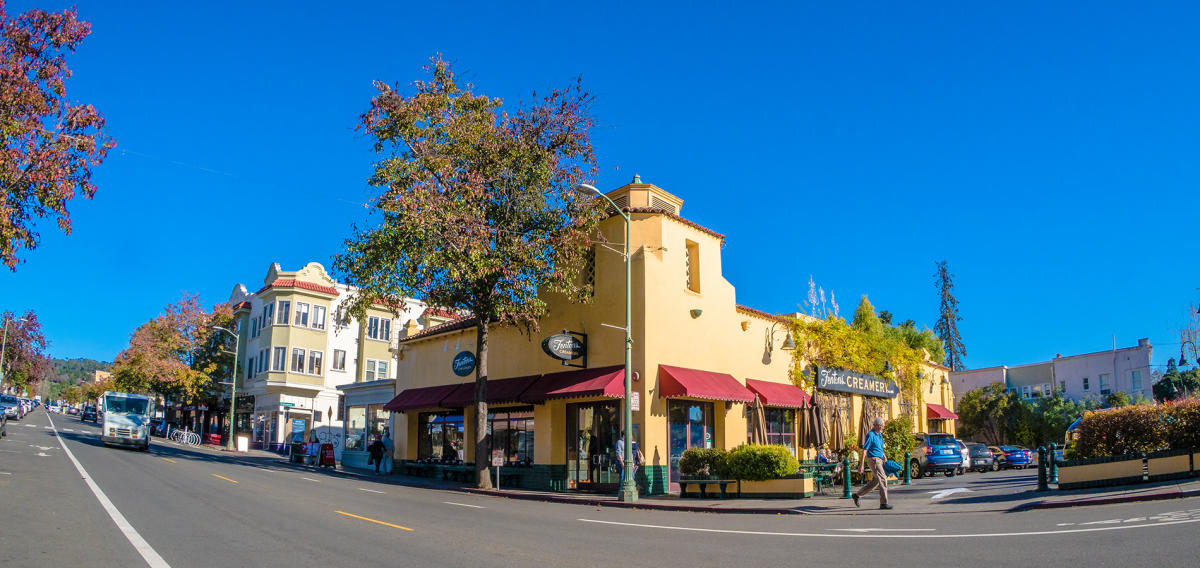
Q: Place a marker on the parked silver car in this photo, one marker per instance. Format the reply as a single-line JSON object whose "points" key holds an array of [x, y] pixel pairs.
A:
{"points": [[12, 406]]}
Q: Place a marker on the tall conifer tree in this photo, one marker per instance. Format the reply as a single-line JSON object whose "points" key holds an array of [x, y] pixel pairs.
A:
{"points": [[948, 318]]}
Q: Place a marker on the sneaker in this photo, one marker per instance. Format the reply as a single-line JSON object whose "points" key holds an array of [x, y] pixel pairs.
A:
{"points": [[855, 500], [886, 506]]}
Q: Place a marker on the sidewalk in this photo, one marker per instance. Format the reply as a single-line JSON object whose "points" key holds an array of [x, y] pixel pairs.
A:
{"points": [[924, 496]]}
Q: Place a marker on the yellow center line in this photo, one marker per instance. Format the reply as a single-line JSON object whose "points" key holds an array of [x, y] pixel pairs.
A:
{"points": [[372, 520], [169, 459], [223, 477]]}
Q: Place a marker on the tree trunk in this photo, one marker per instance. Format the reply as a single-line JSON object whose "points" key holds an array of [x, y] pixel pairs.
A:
{"points": [[481, 447]]}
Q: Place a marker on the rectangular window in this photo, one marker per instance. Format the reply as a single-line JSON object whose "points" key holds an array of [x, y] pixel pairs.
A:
{"points": [[297, 360], [356, 422], [339, 360], [1105, 383], [385, 329], [254, 327], [268, 315], [511, 431], [318, 317], [781, 427], [251, 370], [1135, 379], [1062, 386], [440, 436], [285, 312], [1085, 384], [314, 362], [369, 371], [691, 261], [1026, 392], [373, 327], [381, 370], [280, 356], [302, 314]]}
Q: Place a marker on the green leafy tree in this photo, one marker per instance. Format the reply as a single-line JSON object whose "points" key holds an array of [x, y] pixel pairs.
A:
{"points": [[865, 319], [948, 318], [1176, 384], [898, 438], [48, 143], [477, 209], [1117, 399], [983, 413]]}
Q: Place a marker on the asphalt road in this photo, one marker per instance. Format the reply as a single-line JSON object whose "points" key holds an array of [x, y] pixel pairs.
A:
{"points": [[203, 508]]}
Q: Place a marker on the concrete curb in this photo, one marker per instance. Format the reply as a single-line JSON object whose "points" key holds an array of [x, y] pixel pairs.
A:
{"points": [[623, 505], [1108, 500]]}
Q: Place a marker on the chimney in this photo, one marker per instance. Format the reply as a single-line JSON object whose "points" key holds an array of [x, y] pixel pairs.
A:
{"points": [[1058, 355], [1144, 342], [410, 328]]}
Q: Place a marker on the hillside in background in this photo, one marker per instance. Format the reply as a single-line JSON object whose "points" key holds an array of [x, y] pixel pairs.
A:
{"points": [[75, 371]]}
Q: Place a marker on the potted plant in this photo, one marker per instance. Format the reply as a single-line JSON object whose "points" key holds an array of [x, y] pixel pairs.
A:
{"points": [[768, 471]]}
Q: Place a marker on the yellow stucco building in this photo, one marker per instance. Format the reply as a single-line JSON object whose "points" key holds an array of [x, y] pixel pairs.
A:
{"points": [[699, 359]]}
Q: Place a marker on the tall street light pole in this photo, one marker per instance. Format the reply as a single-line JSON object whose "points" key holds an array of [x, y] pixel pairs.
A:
{"points": [[628, 491], [3, 348], [237, 340]]}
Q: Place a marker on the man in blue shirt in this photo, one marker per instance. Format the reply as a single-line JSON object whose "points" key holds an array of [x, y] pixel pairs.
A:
{"points": [[873, 454]]}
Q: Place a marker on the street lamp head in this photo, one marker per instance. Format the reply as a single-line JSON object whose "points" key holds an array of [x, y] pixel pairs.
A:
{"points": [[587, 188]]}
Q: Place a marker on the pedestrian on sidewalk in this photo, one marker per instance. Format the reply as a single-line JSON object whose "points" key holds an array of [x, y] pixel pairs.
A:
{"points": [[873, 454], [387, 451], [376, 450]]}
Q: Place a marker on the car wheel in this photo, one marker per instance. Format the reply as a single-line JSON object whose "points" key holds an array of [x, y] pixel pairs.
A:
{"points": [[914, 469], [995, 466], [949, 473]]}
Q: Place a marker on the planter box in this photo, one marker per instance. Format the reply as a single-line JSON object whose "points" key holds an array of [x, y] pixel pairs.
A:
{"points": [[797, 487], [1103, 474], [1168, 465]]}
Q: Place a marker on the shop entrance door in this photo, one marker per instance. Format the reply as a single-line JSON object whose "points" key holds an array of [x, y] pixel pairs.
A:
{"points": [[690, 425], [591, 446]]}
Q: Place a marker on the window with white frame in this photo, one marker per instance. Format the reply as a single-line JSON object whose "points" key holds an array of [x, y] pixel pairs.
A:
{"points": [[297, 360], [379, 328], [1062, 386], [375, 370], [1086, 385], [263, 355], [314, 362], [1135, 380], [1105, 383], [268, 316], [318, 317], [285, 312], [301, 314], [1026, 391], [280, 354], [339, 360], [254, 328]]}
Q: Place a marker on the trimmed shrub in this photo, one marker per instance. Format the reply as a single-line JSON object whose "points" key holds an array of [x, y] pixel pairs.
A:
{"points": [[703, 461], [761, 462], [1120, 431], [898, 438], [1183, 424]]}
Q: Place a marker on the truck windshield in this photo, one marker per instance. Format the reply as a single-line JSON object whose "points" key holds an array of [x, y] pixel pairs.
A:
{"points": [[126, 405]]}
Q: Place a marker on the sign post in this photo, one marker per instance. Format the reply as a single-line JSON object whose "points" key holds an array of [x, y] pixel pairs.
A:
{"points": [[497, 463]]}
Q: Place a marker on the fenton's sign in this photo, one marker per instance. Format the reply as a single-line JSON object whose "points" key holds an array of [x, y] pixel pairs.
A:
{"points": [[564, 346], [858, 383], [463, 363]]}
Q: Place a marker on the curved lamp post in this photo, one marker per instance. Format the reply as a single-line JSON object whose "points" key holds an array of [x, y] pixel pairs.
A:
{"points": [[628, 491], [237, 340]]}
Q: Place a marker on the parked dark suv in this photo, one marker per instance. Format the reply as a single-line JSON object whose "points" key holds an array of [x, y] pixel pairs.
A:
{"points": [[935, 452], [982, 459]]}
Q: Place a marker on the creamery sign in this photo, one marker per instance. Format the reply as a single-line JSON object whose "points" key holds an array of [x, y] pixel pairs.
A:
{"points": [[848, 381]]}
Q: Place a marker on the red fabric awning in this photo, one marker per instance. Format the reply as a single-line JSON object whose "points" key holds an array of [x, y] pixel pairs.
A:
{"points": [[778, 394], [678, 381], [422, 397], [498, 392], [939, 412], [601, 381]]}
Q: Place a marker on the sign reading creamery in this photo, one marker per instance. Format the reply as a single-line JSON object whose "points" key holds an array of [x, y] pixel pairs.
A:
{"points": [[858, 383]]}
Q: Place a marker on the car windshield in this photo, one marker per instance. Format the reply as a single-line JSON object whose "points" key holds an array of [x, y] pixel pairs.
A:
{"points": [[941, 441], [9, 399], [130, 405]]}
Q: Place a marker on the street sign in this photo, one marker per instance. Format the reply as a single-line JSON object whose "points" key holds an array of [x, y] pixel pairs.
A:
{"points": [[497, 458], [635, 401], [287, 404]]}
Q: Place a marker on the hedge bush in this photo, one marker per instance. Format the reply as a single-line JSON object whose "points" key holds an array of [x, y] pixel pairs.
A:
{"points": [[1136, 429], [704, 461], [753, 462]]}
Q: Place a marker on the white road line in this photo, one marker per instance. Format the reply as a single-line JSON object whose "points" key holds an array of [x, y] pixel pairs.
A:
{"points": [[939, 536], [311, 479], [32, 426], [464, 505], [67, 430], [148, 553], [1108, 522], [371, 490], [884, 530], [46, 427], [5, 473]]}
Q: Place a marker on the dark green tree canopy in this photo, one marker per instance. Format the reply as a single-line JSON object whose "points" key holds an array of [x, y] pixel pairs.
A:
{"points": [[948, 318]]}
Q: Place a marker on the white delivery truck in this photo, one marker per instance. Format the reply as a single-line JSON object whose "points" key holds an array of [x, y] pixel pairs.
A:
{"points": [[126, 419]]}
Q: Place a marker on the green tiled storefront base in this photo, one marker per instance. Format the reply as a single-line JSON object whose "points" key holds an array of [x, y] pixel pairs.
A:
{"points": [[651, 480]]}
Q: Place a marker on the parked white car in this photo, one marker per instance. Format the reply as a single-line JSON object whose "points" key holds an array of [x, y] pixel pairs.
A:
{"points": [[966, 457]]}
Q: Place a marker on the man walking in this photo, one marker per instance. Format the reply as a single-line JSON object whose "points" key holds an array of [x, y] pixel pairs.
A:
{"points": [[873, 454]]}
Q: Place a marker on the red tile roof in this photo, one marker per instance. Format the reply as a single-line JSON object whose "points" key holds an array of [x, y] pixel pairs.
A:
{"points": [[293, 283], [460, 323], [763, 314], [673, 215], [241, 306], [440, 313]]}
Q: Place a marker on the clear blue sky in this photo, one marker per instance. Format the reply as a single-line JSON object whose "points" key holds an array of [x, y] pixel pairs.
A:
{"points": [[1049, 153]]}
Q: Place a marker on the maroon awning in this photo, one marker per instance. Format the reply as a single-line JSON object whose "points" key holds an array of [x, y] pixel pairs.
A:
{"points": [[498, 392], [679, 381], [778, 394], [422, 397], [939, 412], [601, 381]]}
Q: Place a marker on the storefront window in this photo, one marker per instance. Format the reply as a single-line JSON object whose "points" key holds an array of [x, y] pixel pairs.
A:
{"points": [[781, 427], [378, 422], [440, 436], [356, 422], [689, 425], [511, 430]]}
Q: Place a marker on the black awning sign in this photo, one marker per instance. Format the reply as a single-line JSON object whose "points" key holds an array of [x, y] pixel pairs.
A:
{"points": [[858, 383]]}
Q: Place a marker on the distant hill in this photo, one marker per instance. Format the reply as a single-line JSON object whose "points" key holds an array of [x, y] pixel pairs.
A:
{"points": [[75, 371]]}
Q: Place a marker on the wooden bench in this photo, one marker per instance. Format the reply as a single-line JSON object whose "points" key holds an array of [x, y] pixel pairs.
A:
{"points": [[703, 484]]}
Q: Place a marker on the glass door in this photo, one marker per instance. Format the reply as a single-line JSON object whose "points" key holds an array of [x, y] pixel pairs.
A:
{"points": [[591, 446], [689, 425]]}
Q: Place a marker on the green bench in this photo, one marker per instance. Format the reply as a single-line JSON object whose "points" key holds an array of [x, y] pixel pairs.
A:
{"points": [[702, 485]]}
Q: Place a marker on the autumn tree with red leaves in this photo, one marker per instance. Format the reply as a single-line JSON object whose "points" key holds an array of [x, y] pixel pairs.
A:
{"points": [[48, 144], [477, 208], [25, 363]]}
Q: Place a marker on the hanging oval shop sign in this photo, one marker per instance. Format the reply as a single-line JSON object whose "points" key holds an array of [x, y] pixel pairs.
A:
{"points": [[464, 363], [848, 381], [563, 346]]}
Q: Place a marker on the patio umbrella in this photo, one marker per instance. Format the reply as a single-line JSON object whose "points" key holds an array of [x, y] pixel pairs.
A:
{"points": [[820, 430], [803, 436], [758, 423], [837, 436]]}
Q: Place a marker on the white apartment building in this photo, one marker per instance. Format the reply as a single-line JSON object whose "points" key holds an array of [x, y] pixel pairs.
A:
{"points": [[1078, 377], [307, 369]]}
